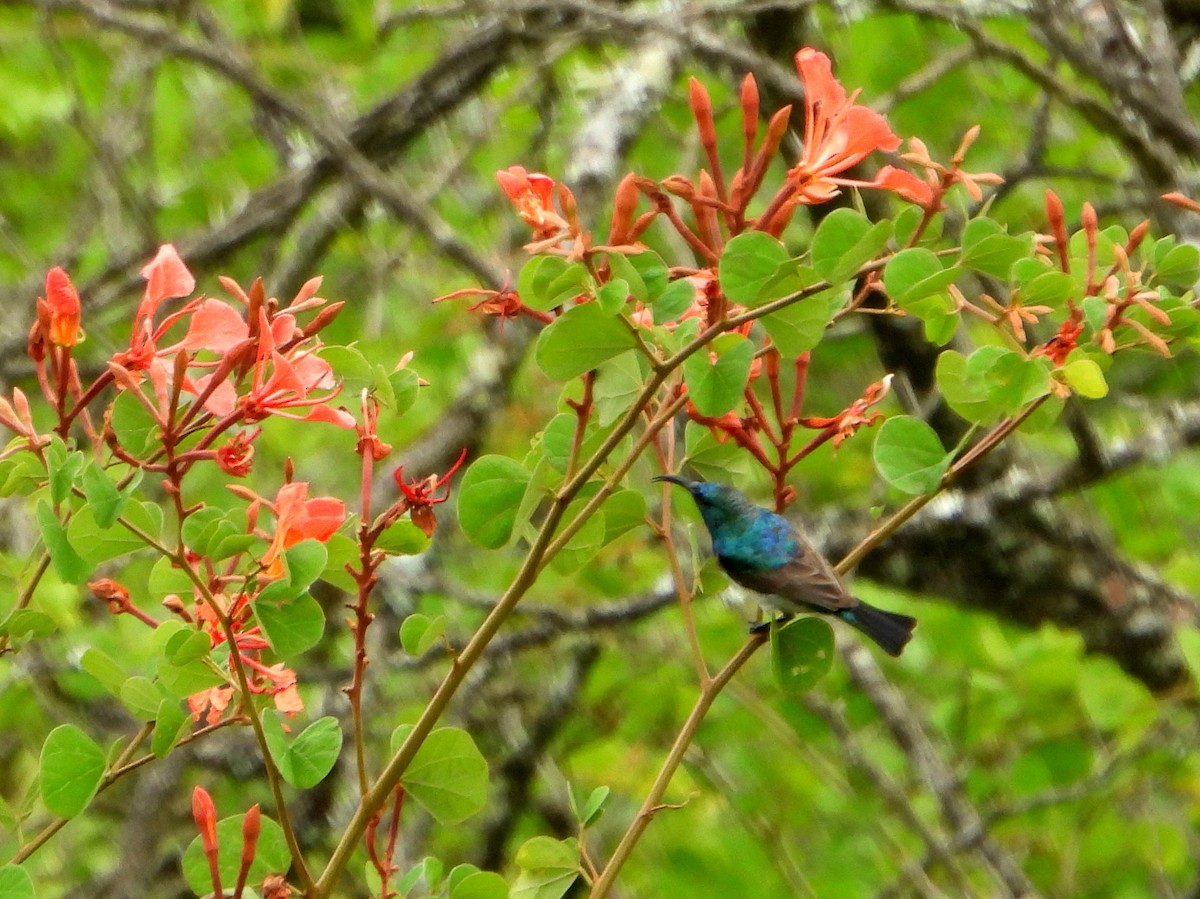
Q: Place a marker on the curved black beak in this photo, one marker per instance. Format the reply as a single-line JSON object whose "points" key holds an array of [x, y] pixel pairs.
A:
{"points": [[674, 479]]}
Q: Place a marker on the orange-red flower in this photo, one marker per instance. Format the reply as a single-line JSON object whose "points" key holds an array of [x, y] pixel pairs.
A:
{"points": [[63, 308], [421, 496], [166, 278], [838, 133], [236, 456], [300, 518], [533, 195], [843, 426]]}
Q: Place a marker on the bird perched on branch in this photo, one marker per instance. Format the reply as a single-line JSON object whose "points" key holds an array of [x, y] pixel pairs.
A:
{"points": [[766, 553]]}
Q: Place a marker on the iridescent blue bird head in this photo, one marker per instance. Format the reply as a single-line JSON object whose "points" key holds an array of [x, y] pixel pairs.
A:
{"points": [[718, 503]]}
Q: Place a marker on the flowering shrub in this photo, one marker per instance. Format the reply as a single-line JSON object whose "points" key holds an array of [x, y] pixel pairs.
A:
{"points": [[723, 335]]}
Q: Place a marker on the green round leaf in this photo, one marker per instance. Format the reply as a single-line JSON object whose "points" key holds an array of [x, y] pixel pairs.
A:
{"points": [[304, 563], [448, 776], [171, 722], [988, 248], [141, 696], [966, 397], [420, 632], [70, 566], [676, 298], [403, 538], [549, 281], [309, 757], [103, 498], [15, 883], [802, 653], [271, 855], [488, 499], [915, 273], [292, 626], [749, 264], [799, 327], [579, 340], [72, 765], [548, 868], [480, 885], [1086, 378], [716, 386], [909, 455], [617, 384], [845, 241]]}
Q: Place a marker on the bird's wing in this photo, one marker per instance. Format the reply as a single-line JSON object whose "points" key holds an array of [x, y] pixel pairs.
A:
{"points": [[806, 578]]}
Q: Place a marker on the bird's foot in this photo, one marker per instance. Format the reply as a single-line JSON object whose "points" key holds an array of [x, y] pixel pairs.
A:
{"points": [[762, 626]]}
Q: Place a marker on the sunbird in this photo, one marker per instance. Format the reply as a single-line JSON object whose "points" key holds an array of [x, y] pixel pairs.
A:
{"points": [[767, 553]]}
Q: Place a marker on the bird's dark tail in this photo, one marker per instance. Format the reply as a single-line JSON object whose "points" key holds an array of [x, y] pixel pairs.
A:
{"points": [[890, 630]]}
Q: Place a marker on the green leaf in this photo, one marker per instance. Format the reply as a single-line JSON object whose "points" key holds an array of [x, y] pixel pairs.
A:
{"points": [[802, 653], [271, 855], [448, 776], [623, 511], [304, 563], [104, 500], [1085, 378], [1112, 699], [405, 387], [580, 340], [845, 241], [989, 248], [21, 474], [1050, 288], [402, 538], [353, 369], [479, 885], [799, 327], [64, 468], [420, 632], [1095, 312], [612, 296], [715, 387], [170, 725], [344, 551], [1010, 379], [183, 668], [102, 667], [676, 299], [166, 579], [133, 424], [915, 273], [546, 282], [15, 883], [712, 460], [68, 563], [618, 382], [97, 544], [292, 626], [142, 697], [622, 270], [307, 759], [966, 397], [939, 316], [748, 265], [23, 625], [202, 528], [909, 455], [594, 805], [548, 868], [1178, 267], [558, 438], [71, 768], [488, 498]]}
